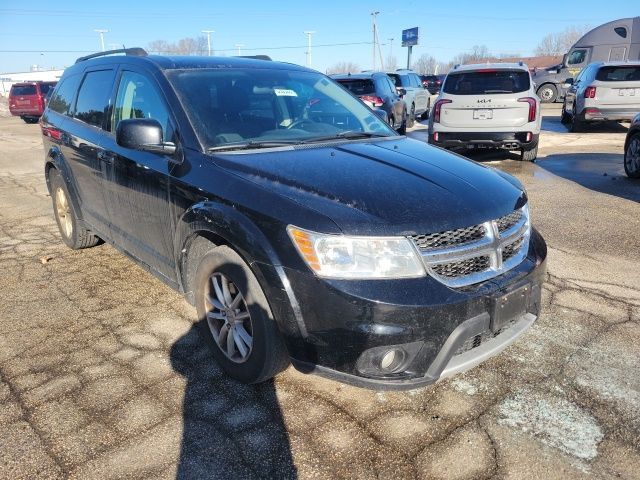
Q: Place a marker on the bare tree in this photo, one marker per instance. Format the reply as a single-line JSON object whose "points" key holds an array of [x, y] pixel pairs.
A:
{"points": [[343, 67], [184, 46], [426, 64], [560, 42], [391, 63], [476, 54]]}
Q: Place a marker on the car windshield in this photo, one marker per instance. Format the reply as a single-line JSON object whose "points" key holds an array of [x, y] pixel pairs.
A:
{"points": [[487, 82], [247, 108], [624, 73]]}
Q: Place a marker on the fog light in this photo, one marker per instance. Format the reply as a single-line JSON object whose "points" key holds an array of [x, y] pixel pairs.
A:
{"points": [[388, 359]]}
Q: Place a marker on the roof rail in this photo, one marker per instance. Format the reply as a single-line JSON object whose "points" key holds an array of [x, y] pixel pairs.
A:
{"points": [[256, 57], [133, 52], [455, 67]]}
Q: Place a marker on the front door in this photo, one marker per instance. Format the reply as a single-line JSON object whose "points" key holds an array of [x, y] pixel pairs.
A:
{"points": [[137, 182]]}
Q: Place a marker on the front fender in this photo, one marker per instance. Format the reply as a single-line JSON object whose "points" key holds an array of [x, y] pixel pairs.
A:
{"points": [[239, 232]]}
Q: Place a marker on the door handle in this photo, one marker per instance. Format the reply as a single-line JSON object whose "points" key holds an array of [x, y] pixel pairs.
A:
{"points": [[106, 156]]}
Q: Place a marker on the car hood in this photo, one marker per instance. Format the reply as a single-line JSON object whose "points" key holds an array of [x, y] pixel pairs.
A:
{"points": [[383, 187]]}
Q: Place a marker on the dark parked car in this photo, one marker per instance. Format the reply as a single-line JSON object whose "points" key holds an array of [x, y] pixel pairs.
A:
{"points": [[632, 149], [27, 99], [433, 83], [298, 223], [378, 92]]}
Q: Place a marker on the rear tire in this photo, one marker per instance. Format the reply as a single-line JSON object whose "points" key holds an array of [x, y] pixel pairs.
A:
{"points": [[30, 120], [565, 118], [529, 155], [632, 157], [412, 116], [548, 93], [576, 124], [243, 337], [74, 235], [425, 114]]}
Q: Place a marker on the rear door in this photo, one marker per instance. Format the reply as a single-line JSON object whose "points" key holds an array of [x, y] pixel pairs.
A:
{"points": [[83, 140], [486, 99], [421, 98], [618, 86]]}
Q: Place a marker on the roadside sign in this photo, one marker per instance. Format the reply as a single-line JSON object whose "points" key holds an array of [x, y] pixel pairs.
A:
{"points": [[410, 37]]}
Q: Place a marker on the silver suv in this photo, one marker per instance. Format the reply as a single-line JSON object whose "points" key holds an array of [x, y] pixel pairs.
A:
{"points": [[602, 91], [487, 106], [416, 97]]}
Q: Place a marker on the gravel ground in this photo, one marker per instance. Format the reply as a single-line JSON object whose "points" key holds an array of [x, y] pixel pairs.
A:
{"points": [[103, 373]]}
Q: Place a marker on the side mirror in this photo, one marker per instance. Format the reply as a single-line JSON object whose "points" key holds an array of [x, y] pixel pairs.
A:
{"points": [[143, 134], [382, 114], [401, 91]]}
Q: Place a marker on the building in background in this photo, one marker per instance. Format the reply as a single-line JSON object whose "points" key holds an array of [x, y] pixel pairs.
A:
{"points": [[8, 79]]}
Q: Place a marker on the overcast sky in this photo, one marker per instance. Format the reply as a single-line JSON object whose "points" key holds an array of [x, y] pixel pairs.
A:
{"points": [[53, 34]]}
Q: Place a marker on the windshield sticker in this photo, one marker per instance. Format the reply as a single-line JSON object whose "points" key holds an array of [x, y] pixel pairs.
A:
{"points": [[284, 92]]}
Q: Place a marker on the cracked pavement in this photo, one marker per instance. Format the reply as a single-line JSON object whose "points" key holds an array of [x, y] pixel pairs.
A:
{"points": [[103, 373]]}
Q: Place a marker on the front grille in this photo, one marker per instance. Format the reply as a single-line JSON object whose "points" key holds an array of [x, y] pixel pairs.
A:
{"points": [[510, 250], [462, 268], [508, 221], [469, 255], [449, 238]]}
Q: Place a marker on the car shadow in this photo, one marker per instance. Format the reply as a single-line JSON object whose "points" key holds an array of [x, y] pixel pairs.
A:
{"points": [[230, 429], [601, 172]]}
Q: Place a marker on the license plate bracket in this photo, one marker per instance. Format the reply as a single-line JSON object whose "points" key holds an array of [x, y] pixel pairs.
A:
{"points": [[509, 306], [483, 114]]}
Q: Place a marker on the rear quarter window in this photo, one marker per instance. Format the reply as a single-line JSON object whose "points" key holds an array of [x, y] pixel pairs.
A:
{"points": [[19, 90], [487, 82], [63, 95], [619, 74]]}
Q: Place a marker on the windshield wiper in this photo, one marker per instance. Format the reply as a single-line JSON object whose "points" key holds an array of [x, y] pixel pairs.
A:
{"points": [[252, 144], [347, 134]]}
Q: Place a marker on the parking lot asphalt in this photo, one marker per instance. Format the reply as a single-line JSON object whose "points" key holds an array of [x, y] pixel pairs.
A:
{"points": [[103, 373]]}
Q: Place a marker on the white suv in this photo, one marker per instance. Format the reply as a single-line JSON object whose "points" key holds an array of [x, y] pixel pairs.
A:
{"points": [[603, 91], [488, 106]]}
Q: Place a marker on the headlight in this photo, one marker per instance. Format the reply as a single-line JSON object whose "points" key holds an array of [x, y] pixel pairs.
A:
{"points": [[339, 256]]}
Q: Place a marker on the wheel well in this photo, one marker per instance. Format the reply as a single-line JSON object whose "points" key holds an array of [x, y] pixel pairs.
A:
{"points": [[195, 247], [47, 168]]}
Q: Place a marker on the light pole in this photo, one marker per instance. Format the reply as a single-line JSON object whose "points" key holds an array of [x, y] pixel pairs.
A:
{"points": [[391, 47], [375, 36], [308, 33], [208, 33], [101, 32], [239, 46]]}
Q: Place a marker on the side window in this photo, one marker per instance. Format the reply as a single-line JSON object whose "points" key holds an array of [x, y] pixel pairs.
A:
{"points": [[62, 98], [416, 81], [577, 57], [93, 97], [138, 98], [391, 86], [404, 81]]}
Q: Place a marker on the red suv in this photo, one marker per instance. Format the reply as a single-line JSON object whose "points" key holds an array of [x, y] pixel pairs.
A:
{"points": [[27, 100]]}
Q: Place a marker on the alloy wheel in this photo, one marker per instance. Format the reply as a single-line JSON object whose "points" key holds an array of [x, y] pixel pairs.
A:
{"points": [[228, 318], [64, 212], [632, 157]]}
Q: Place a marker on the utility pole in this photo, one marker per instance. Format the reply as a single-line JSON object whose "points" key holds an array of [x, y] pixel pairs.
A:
{"points": [[375, 36], [101, 32], [308, 33], [208, 33], [239, 46]]}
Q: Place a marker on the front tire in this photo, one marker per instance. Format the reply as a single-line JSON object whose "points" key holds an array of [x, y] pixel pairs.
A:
{"points": [[74, 235], [548, 93], [403, 126], [236, 318], [632, 157]]}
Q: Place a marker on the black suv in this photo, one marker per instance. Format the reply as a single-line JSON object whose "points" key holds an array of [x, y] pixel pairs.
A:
{"points": [[378, 91], [301, 226]]}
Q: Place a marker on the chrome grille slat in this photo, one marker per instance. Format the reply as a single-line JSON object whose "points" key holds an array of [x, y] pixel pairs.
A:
{"points": [[470, 255]]}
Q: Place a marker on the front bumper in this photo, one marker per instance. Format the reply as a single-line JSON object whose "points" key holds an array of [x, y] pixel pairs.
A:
{"points": [[502, 140], [440, 331]]}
